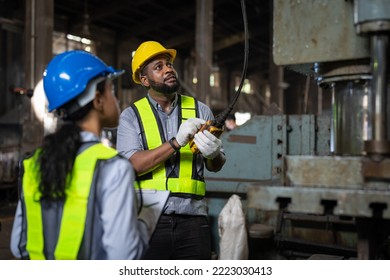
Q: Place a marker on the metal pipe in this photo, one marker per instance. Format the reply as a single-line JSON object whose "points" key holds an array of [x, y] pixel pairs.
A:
{"points": [[379, 44], [32, 45]]}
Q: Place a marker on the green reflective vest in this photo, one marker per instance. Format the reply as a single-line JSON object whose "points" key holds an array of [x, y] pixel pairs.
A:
{"points": [[187, 179], [75, 207]]}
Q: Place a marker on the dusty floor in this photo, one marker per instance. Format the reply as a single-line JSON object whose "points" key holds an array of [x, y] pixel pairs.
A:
{"points": [[8, 200], [6, 220]]}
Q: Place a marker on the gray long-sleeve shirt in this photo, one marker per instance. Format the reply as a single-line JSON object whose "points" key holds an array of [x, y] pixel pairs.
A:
{"points": [[116, 232], [129, 141]]}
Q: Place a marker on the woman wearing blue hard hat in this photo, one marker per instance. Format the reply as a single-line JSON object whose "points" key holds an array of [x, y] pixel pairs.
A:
{"points": [[77, 199]]}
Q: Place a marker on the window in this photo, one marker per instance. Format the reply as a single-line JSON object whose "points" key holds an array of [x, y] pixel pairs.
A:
{"points": [[246, 87], [66, 42]]}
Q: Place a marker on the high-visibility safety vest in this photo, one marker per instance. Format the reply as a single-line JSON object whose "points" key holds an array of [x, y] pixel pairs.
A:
{"points": [[75, 207], [186, 180]]}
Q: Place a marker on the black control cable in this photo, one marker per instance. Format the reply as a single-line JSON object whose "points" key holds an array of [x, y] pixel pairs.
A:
{"points": [[220, 119]]}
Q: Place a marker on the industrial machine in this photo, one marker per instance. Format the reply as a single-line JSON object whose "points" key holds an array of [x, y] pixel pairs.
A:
{"points": [[321, 181]]}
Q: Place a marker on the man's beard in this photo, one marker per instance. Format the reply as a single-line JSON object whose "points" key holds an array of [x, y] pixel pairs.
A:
{"points": [[163, 88]]}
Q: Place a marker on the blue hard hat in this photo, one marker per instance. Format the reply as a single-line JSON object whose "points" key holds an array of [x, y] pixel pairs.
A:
{"points": [[68, 74]]}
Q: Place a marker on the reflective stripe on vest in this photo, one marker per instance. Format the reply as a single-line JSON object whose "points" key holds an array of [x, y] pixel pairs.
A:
{"points": [[153, 137], [75, 207]]}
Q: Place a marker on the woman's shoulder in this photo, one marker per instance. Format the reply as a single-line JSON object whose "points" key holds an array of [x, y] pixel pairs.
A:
{"points": [[116, 170], [120, 161]]}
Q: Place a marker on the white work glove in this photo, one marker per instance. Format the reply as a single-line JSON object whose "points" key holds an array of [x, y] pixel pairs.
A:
{"points": [[208, 144], [187, 130]]}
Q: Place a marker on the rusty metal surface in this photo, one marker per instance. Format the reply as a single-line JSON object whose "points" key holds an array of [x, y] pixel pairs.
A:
{"points": [[373, 169], [324, 171], [314, 200], [330, 36], [336, 171], [234, 138], [377, 147], [315, 31]]}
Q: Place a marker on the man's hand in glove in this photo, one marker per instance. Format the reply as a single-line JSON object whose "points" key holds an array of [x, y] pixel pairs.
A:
{"points": [[187, 130], [208, 144]]}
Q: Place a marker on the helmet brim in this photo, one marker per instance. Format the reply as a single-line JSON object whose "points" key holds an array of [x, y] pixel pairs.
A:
{"points": [[116, 74]]}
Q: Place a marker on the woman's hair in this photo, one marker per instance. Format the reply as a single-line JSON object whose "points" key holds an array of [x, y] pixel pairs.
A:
{"points": [[58, 153]]}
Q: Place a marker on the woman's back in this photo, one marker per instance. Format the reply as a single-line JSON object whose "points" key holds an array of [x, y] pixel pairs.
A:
{"points": [[77, 199]]}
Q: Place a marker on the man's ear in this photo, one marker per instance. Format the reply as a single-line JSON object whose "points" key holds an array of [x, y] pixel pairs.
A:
{"points": [[144, 81]]}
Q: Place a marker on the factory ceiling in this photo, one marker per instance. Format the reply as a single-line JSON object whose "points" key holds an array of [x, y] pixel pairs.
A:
{"points": [[172, 22]]}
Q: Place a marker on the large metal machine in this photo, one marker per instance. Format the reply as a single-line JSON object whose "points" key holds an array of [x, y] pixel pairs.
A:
{"points": [[321, 182]]}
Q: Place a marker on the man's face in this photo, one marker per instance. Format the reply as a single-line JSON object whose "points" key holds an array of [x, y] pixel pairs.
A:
{"points": [[160, 75]]}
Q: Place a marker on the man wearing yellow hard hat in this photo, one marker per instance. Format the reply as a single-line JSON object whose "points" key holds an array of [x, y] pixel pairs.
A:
{"points": [[153, 133]]}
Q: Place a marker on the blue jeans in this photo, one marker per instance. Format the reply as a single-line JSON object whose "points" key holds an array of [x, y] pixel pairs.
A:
{"points": [[180, 237]]}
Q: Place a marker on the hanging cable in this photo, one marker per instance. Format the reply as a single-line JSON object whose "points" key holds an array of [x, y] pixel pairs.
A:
{"points": [[221, 118], [216, 126]]}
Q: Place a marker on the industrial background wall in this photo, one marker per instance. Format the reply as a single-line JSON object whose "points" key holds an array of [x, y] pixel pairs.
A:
{"points": [[309, 134], [33, 31]]}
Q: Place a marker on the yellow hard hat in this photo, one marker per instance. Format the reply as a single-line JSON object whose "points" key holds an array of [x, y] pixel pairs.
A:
{"points": [[146, 51]]}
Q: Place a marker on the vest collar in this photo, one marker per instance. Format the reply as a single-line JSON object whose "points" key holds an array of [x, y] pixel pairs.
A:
{"points": [[158, 107]]}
